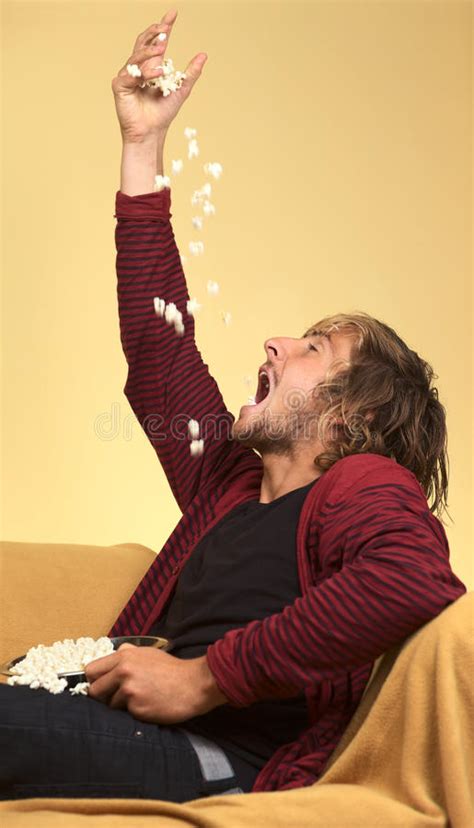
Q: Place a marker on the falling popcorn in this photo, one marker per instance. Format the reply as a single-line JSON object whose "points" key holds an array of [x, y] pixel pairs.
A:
{"points": [[159, 306], [184, 259], [177, 166], [197, 222], [161, 181], [192, 305], [162, 36], [226, 317], [212, 288], [200, 195], [248, 380], [170, 313], [196, 447], [193, 429], [208, 208], [251, 401], [193, 149], [190, 133], [196, 248], [214, 169], [170, 81]]}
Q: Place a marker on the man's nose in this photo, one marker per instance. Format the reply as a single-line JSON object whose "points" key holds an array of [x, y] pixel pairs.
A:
{"points": [[277, 348]]}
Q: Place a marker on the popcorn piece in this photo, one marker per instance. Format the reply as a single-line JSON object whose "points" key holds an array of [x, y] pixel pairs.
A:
{"points": [[214, 169], [196, 447], [161, 181], [133, 70], [226, 318], [196, 248], [199, 195], [192, 305], [173, 316], [193, 428], [251, 401], [169, 81], [170, 313], [162, 36], [159, 306], [184, 259], [179, 327], [197, 222], [190, 133], [212, 288], [81, 688], [208, 208], [248, 380], [193, 149], [177, 166]]}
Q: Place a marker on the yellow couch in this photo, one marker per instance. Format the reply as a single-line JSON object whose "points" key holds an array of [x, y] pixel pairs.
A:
{"points": [[406, 759]]}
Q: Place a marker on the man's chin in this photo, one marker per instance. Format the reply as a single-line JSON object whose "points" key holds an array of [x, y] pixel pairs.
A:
{"points": [[270, 432], [251, 431], [242, 429], [248, 427]]}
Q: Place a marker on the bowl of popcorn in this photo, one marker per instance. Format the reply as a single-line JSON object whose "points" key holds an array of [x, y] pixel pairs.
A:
{"points": [[62, 664]]}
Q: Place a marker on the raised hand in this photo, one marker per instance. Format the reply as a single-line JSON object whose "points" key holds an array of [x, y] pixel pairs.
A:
{"points": [[146, 112]]}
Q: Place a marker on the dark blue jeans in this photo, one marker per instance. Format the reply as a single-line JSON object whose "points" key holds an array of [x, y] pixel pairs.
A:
{"points": [[75, 746]]}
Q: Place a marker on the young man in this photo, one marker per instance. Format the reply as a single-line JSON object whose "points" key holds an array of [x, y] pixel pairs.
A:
{"points": [[291, 570]]}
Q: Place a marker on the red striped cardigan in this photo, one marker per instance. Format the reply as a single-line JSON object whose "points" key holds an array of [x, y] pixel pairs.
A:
{"points": [[373, 561]]}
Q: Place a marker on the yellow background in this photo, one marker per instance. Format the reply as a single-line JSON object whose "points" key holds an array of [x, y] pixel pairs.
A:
{"points": [[344, 131]]}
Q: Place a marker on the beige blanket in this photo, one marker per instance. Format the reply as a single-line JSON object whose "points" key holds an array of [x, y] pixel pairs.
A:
{"points": [[406, 760]]}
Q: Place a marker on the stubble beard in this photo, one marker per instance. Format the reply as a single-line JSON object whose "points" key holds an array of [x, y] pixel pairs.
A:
{"points": [[280, 434]]}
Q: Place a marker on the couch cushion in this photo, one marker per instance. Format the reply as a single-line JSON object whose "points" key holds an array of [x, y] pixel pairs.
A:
{"points": [[51, 591]]}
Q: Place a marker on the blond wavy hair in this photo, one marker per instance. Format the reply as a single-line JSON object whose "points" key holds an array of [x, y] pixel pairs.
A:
{"points": [[383, 401]]}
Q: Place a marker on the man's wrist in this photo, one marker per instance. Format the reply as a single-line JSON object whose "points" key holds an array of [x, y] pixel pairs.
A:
{"points": [[210, 694], [154, 139], [142, 160]]}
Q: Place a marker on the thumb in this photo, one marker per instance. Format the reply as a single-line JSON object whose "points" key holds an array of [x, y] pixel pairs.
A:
{"points": [[125, 645], [194, 69]]}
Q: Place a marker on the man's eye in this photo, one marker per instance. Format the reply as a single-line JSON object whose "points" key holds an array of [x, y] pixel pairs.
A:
{"points": [[312, 347]]}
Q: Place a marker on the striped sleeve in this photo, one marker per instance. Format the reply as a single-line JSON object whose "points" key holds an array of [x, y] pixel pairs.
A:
{"points": [[392, 575], [168, 383]]}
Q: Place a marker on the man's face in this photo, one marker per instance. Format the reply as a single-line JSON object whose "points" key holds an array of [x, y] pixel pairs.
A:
{"points": [[286, 406]]}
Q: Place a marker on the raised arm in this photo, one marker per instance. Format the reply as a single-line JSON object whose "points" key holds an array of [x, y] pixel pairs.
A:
{"points": [[168, 384]]}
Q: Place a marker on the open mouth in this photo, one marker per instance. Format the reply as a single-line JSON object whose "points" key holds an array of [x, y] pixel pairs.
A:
{"points": [[263, 388], [265, 384]]}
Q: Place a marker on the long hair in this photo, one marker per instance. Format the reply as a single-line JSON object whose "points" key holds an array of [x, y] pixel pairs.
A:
{"points": [[383, 401]]}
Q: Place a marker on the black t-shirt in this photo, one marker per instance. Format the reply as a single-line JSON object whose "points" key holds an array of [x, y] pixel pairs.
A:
{"points": [[244, 569]]}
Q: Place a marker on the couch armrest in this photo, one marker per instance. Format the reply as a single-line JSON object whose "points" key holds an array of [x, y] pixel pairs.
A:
{"points": [[51, 591]]}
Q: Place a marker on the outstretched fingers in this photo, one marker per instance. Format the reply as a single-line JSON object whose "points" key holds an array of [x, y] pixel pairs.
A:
{"points": [[150, 47], [194, 69], [151, 33]]}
